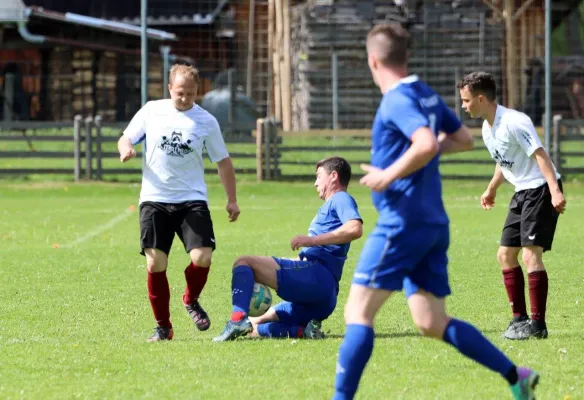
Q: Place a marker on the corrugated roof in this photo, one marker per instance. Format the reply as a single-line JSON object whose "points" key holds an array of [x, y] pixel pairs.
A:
{"points": [[99, 23]]}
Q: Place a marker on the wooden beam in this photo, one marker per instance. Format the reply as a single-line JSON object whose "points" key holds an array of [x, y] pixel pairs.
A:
{"points": [[271, 23], [497, 12], [511, 46], [286, 69], [277, 42], [522, 9], [363, 133], [523, 57], [539, 34]]}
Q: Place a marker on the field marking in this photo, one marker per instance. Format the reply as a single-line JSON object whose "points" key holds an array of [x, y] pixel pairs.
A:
{"points": [[101, 228]]}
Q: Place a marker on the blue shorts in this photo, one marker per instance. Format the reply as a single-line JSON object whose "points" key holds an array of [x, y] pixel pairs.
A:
{"points": [[410, 259], [309, 290]]}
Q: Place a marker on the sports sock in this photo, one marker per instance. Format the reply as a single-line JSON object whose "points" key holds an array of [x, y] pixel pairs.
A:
{"points": [[354, 354], [279, 329], [196, 278], [470, 342], [538, 291], [159, 295], [515, 285], [242, 280]]}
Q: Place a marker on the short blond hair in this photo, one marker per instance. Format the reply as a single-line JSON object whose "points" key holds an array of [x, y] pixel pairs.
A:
{"points": [[184, 70]]}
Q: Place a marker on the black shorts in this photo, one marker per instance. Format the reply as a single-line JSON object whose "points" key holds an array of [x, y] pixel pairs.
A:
{"points": [[531, 220], [191, 221]]}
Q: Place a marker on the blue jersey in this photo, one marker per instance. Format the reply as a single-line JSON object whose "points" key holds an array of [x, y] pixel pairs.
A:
{"points": [[417, 198], [336, 211]]}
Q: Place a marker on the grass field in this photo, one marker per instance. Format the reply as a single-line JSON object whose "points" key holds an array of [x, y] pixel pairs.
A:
{"points": [[75, 312]]}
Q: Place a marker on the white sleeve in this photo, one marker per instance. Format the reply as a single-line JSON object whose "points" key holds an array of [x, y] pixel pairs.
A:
{"points": [[214, 142], [526, 136], [136, 130]]}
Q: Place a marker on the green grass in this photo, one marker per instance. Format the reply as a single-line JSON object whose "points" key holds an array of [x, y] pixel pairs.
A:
{"points": [[75, 318]]}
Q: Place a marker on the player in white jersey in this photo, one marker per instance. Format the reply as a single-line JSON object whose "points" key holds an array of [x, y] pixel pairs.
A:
{"points": [[173, 198], [533, 213]]}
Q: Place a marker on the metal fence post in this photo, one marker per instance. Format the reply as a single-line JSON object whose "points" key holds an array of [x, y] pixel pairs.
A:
{"points": [[232, 93], [457, 92], [335, 87], [98, 150], [77, 147], [165, 51], [556, 154], [9, 82], [267, 153], [482, 39], [88, 147], [260, 149]]}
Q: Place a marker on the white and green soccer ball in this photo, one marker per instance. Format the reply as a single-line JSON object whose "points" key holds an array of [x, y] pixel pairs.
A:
{"points": [[261, 300]]}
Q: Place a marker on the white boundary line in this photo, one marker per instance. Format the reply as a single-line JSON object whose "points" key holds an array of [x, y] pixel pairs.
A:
{"points": [[101, 228]]}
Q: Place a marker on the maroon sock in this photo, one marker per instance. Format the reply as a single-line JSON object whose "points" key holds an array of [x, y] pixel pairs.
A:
{"points": [[515, 285], [196, 279], [159, 294], [538, 290]]}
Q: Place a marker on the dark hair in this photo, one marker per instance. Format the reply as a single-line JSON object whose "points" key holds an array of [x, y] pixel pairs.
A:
{"points": [[392, 47], [338, 164], [480, 83]]}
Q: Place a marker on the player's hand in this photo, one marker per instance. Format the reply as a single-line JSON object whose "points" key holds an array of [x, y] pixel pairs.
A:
{"points": [[488, 199], [376, 179], [233, 211], [126, 155], [301, 241], [558, 201]]}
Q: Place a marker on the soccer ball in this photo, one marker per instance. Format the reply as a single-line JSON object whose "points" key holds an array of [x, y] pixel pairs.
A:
{"points": [[261, 300]]}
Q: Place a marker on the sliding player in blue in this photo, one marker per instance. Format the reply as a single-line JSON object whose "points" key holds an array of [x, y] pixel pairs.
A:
{"points": [[309, 285], [407, 249]]}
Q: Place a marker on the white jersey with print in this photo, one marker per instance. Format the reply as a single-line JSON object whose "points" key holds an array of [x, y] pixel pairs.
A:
{"points": [[512, 140], [173, 146]]}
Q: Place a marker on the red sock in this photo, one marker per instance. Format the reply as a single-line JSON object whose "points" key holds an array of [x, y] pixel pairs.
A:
{"points": [[515, 285], [159, 294], [196, 279], [300, 332], [237, 316], [538, 290]]}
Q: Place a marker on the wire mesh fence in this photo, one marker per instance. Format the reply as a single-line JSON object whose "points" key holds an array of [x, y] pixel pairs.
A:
{"points": [[303, 62]]}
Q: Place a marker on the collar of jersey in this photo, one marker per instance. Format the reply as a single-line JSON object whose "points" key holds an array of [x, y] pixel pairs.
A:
{"points": [[498, 112], [408, 79]]}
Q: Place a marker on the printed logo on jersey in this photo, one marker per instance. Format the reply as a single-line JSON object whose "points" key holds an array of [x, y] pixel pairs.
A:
{"points": [[174, 145], [503, 162]]}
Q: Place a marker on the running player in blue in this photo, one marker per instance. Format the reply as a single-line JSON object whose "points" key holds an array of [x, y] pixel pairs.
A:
{"points": [[309, 285], [407, 249]]}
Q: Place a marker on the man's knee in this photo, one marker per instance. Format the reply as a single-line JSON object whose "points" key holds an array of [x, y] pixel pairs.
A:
{"points": [[201, 257], [532, 258], [507, 257], [357, 314], [156, 260], [242, 260], [432, 325]]}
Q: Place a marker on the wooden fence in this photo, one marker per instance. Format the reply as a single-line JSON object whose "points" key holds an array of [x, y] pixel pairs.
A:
{"points": [[568, 145], [86, 149], [289, 160]]}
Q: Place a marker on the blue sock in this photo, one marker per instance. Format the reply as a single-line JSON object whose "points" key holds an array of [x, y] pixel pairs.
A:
{"points": [[242, 280], [470, 342], [279, 330], [354, 353]]}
